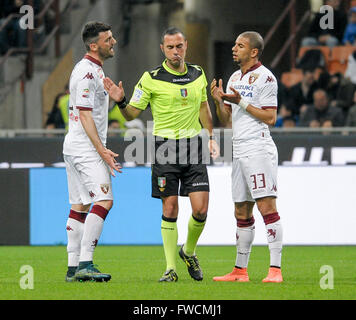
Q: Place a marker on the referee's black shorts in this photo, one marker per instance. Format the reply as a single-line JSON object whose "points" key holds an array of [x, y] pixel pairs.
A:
{"points": [[179, 168]]}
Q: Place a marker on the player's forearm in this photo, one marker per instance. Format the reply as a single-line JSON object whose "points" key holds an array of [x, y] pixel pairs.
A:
{"points": [[223, 116], [129, 112], [206, 118], [89, 126], [267, 116]]}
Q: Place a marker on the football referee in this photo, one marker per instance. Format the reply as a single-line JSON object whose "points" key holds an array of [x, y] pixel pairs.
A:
{"points": [[176, 92]]}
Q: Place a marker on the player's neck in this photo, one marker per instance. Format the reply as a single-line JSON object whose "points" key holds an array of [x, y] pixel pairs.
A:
{"points": [[96, 58], [249, 65]]}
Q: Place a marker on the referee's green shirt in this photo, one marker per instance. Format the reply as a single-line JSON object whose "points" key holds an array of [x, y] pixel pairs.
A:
{"points": [[175, 99]]}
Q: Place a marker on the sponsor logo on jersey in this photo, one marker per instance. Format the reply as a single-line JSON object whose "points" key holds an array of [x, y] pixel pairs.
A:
{"points": [[72, 117], [269, 79], [89, 76], [86, 93], [236, 77], [137, 95], [94, 243], [100, 73], [271, 233], [199, 184], [181, 80], [243, 87]]}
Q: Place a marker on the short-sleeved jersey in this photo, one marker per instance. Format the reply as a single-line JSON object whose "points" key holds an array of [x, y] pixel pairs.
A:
{"points": [[86, 93], [175, 100], [258, 86]]}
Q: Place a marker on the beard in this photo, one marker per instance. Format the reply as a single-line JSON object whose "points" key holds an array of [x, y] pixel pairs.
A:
{"points": [[105, 54], [175, 63]]}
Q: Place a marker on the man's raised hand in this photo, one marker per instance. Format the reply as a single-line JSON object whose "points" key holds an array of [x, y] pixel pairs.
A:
{"points": [[116, 92]]}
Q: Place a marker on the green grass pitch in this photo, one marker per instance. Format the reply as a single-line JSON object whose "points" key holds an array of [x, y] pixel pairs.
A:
{"points": [[135, 272]]}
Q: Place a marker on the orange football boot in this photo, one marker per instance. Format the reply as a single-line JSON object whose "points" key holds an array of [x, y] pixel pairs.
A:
{"points": [[238, 275], [274, 275]]}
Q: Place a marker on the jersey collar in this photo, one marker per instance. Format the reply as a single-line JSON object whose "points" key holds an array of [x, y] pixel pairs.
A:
{"points": [[90, 58], [254, 67], [168, 69]]}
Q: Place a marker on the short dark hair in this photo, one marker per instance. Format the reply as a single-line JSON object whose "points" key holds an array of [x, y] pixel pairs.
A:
{"points": [[171, 31], [322, 91], [256, 41], [91, 31]]}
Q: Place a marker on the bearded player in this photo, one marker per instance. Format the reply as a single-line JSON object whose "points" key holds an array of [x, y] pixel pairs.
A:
{"points": [[89, 164]]}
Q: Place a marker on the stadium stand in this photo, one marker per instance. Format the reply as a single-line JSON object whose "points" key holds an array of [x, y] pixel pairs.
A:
{"points": [[339, 58], [292, 77], [325, 50]]}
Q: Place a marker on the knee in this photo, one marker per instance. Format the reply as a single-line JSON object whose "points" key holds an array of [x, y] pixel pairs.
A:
{"points": [[107, 204], [170, 211], [267, 206], [201, 213], [102, 209], [244, 210], [80, 208]]}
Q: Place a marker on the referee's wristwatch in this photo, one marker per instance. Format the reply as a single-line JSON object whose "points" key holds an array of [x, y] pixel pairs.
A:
{"points": [[122, 104], [212, 137]]}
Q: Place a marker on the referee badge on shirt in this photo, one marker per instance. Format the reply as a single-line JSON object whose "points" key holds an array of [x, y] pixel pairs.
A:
{"points": [[162, 183], [184, 93], [253, 78]]}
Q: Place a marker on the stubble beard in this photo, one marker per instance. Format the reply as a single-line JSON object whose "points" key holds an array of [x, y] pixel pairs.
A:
{"points": [[175, 63], [104, 55]]}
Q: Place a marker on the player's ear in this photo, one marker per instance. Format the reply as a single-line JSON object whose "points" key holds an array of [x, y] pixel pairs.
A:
{"points": [[254, 53], [161, 46], [93, 47]]}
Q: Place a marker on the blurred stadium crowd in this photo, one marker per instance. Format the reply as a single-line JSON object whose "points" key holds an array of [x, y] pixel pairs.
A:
{"points": [[319, 92], [11, 33]]}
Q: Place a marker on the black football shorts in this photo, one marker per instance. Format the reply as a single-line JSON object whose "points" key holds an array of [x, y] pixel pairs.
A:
{"points": [[181, 170]]}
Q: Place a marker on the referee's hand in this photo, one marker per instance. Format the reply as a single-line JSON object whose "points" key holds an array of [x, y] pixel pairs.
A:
{"points": [[214, 149], [116, 92]]}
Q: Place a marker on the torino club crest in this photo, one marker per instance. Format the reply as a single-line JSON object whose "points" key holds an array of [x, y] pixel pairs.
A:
{"points": [[253, 78], [105, 188]]}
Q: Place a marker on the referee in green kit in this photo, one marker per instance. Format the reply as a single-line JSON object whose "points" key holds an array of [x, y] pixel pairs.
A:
{"points": [[176, 92]]}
